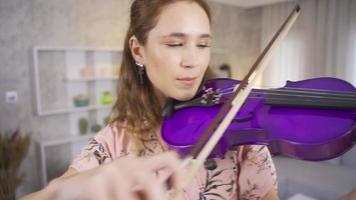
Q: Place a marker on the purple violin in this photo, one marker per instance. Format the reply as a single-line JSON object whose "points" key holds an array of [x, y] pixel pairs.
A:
{"points": [[313, 119]]}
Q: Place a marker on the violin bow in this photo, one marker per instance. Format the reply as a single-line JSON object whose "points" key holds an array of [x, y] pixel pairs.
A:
{"points": [[204, 146]]}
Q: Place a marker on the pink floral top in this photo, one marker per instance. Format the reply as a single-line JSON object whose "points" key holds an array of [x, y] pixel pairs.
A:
{"points": [[215, 180]]}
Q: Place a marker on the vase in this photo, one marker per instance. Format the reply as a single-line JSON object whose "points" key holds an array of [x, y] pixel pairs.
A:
{"points": [[8, 183], [7, 196]]}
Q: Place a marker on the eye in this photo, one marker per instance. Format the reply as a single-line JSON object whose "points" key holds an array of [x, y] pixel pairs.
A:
{"points": [[176, 44], [203, 45]]}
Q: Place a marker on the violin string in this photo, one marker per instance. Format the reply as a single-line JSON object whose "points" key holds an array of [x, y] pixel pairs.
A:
{"points": [[351, 99], [305, 100], [277, 93], [334, 95], [300, 89], [290, 89]]}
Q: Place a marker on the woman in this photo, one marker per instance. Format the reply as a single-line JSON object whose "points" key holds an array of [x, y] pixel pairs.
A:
{"points": [[166, 55]]}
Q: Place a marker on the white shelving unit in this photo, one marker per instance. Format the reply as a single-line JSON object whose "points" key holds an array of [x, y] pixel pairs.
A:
{"points": [[42, 145], [73, 59], [62, 73]]}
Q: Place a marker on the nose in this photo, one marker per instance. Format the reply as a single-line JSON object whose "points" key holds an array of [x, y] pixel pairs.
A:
{"points": [[190, 57]]}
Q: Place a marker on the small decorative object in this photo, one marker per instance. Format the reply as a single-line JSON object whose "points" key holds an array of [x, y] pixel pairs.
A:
{"points": [[13, 149], [81, 100], [106, 98], [87, 72], [83, 125], [116, 71], [224, 71], [95, 128], [107, 71], [104, 71]]}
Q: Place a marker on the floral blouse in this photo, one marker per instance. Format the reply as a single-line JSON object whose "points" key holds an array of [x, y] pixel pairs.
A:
{"points": [[216, 180]]}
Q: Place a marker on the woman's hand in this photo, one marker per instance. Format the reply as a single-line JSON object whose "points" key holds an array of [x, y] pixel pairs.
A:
{"points": [[125, 178]]}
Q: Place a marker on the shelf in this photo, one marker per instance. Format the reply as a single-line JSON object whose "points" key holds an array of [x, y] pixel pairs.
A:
{"points": [[91, 79], [67, 48], [71, 110], [65, 140], [63, 65]]}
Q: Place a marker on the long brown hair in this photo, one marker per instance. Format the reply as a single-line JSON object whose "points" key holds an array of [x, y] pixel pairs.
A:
{"points": [[137, 107]]}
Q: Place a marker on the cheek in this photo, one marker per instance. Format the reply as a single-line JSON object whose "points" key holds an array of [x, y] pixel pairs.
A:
{"points": [[206, 60], [160, 72], [161, 69]]}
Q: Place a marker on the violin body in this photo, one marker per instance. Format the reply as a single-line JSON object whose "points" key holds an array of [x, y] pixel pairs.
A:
{"points": [[313, 119]]}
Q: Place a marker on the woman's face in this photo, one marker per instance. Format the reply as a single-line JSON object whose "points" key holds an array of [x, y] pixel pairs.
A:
{"points": [[177, 52]]}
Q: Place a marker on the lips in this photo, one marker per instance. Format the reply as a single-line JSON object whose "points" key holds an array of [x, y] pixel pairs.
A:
{"points": [[188, 81]]}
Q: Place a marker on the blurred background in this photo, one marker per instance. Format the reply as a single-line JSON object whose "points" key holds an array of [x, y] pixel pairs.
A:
{"points": [[59, 61]]}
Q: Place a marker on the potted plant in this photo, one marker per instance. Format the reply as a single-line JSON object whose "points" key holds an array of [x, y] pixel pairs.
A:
{"points": [[107, 98], [13, 149], [81, 100], [83, 125]]}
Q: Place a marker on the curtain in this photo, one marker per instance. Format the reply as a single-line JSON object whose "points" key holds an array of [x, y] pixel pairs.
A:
{"points": [[321, 43]]}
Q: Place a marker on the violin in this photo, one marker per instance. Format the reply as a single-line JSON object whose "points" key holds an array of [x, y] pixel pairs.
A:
{"points": [[312, 119]]}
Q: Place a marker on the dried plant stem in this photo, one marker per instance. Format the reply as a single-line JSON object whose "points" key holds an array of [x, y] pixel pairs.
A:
{"points": [[13, 149]]}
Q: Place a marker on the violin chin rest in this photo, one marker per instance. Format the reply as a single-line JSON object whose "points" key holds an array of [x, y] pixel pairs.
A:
{"points": [[168, 109]]}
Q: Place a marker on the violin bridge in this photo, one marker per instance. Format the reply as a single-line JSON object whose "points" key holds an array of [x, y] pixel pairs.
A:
{"points": [[235, 87]]}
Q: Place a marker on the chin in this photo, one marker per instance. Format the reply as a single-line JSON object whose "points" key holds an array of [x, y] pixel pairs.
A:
{"points": [[185, 95]]}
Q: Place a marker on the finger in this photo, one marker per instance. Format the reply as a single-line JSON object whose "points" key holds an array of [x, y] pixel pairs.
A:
{"points": [[167, 161], [122, 184], [114, 183], [165, 178], [151, 188], [138, 181]]}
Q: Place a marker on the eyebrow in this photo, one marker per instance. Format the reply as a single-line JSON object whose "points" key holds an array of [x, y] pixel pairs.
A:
{"points": [[182, 35]]}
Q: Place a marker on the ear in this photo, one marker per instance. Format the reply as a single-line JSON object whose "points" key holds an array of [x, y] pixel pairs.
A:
{"points": [[137, 50]]}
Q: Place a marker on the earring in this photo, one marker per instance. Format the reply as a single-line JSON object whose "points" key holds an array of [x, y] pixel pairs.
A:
{"points": [[141, 71]]}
